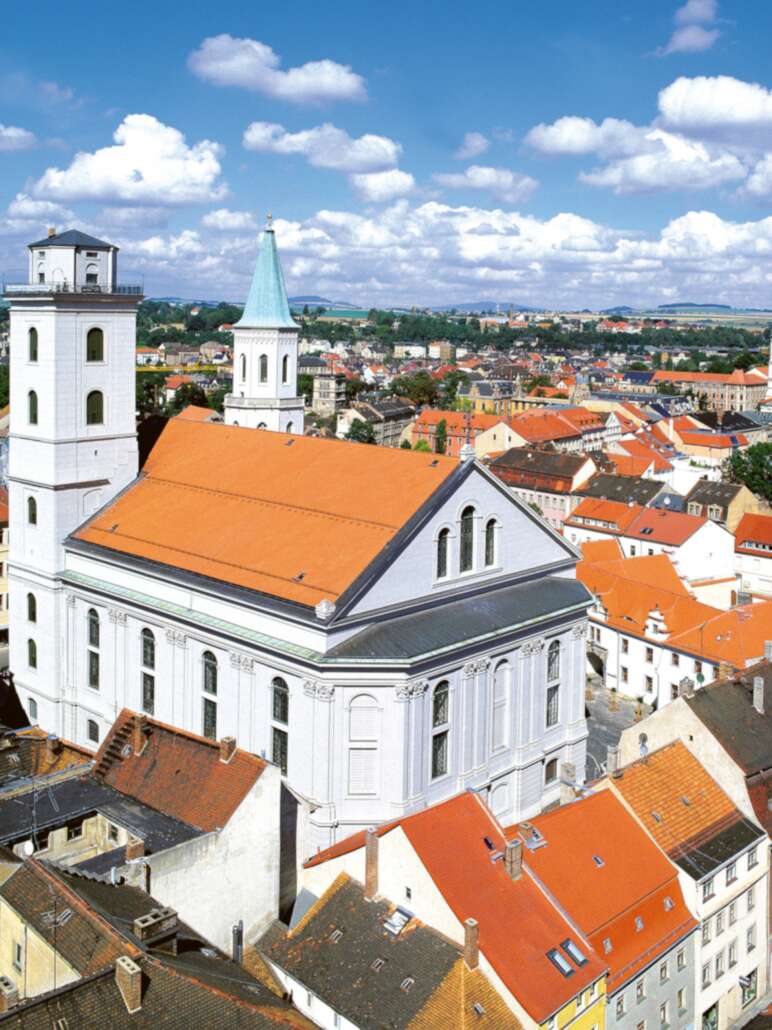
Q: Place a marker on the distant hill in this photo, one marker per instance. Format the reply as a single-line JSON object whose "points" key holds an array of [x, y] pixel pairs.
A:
{"points": [[321, 302], [188, 300], [478, 307], [689, 306], [621, 309]]}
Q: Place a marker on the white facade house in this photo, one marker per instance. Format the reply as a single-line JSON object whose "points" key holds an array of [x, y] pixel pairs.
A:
{"points": [[388, 627]]}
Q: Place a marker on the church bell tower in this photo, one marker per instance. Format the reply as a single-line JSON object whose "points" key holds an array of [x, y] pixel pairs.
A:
{"points": [[265, 352]]}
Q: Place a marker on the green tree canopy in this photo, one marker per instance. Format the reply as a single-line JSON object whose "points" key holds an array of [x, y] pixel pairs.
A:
{"points": [[188, 393], [361, 431], [754, 468]]}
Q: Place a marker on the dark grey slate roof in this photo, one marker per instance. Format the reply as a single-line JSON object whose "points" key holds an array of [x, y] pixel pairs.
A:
{"points": [[73, 238], [552, 463], [466, 620], [621, 488], [703, 859], [705, 492]]}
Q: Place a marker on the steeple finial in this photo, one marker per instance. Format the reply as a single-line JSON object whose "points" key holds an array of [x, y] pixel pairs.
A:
{"points": [[269, 222]]}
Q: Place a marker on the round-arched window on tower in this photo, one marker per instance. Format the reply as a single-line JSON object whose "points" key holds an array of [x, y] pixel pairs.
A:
{"points": [[32, 341], [32, 511], [95, 408], [32, 408], [243, 368], [95, 345], [263, 368], [285, 369], [290, 428]]}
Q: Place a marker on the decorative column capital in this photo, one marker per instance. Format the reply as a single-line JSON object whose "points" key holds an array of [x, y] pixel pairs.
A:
{"points": [[116, 616], [176, 638], [579, 631], [411, 689], [69, 600], [319, 690], [242, 661]]}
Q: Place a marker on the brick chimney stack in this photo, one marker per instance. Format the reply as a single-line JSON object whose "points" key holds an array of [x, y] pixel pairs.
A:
{"points": [[471, 944], [135, 848], [53, 747], [371, 863], [51, 231], [227, 748], [513, 859], [139, 734], [128, 979], [9, 994]]}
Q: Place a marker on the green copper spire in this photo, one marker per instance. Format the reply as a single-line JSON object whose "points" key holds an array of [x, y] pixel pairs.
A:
{"points": [[267, 306]]}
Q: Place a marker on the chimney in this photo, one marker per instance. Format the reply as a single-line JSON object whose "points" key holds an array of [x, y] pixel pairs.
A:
{"points": [[612, 759], [758, 694], [135, 848], [128, 980], [9, 994], [725, 670], [768, 650], [51, 231], [53, 747], [139, 734], [567, 780], [157, 925], [371, 863], [471, 944], [513, 859], [227, 748]]}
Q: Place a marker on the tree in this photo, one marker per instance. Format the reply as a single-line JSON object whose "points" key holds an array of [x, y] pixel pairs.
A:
{"points": [[753, 467], [149, 392], [305, 386], [188, 393], [361, 432], [354, 387], [422, 445], [405, 445], [4, 385], [216, 398], [420, 387], [441, 437]]}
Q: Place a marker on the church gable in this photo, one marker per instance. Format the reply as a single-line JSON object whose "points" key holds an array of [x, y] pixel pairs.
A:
{"points": [[477, 533]]}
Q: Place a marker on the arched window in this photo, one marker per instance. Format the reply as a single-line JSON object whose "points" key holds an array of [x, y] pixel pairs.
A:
{"points": [[243, 366], [92, 731], [280, 710], [363, 750], [32, 341], [490, 542], [92, 274], [290, 427], [148, 673], [32, 408], [32, 654], [467, 539], [551, 771], [285, 369], [209, 664], [440, 728], [263, 368], [553, 661], [95, 408], [95, 345], [92, 620], [443, 543], [32, 608], [32, 511], [500, 701]]}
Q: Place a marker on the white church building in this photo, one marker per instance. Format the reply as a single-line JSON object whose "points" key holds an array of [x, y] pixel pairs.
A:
{"points": [[389, 627]]}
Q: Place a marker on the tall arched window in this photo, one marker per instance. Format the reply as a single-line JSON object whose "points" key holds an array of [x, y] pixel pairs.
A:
{"points": [[553, 661], [32, 654], [440, 728], [490, 542], [209, 665], [280, 712], [32, 342], [209, 684], [553, 683], [95, 345], [148, 671], [95, 408], [364, 730], [263, 368], [290, 427], [32, 511], [243, 366], [92, 620], [466, 562], [285, 369], [443, 543], [32, 408], [501, 678], [32, 608]]}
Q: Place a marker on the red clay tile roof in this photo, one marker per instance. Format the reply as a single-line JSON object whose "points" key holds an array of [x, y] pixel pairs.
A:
{"points": [[666, 527], [754, 530], [629, 464], [605, 871], [601, 550], [736, 636], [291, 516], [716, 441], [193, 413], [178, 773]]}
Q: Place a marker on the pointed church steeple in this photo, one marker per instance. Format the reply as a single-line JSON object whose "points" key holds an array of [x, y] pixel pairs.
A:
{"points": [[267, 306]]}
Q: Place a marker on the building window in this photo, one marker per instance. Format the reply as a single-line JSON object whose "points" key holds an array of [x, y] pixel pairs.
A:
{"points": [[466, 562], [285, 369], [706, 932], [675, 659], [148, 671], [649, 684], [95, 345], [32, 345], [706, 975], [490, 542], [363, 751], [749, 988], [719, 965], [681, 961], [32, 608], [92, 732], [93, 669], [750, 938], [17, 956], [280, 715], [32, 708], [210, 719], [553, 704], [93, 627], [733, 913], [243, 366], [649, 654], [32, 511], [92, 275], [640, 992], [620, 1006], [209, 663], [625, 645], [551, 771], [625, 675], [95, 408], [500, 705], [440, 729], [263, 367], [681, 1000], [443, 543], [148, 649], [148, 693], [32, 408], [553, 661], [32, 654], [708, 890], [663, 973], [751, 899], [663, 1014], [720, 923], [731, 873]]}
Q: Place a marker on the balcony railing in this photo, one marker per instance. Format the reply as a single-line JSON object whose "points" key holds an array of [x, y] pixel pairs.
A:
{"points": [[35, 289]]}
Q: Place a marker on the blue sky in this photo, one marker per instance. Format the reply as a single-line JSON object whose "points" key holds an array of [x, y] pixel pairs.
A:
{"points": [[559, 154]]}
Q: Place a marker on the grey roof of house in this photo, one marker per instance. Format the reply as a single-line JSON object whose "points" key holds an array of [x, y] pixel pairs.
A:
{"points": [[470, 619], [340, 972], [531, 459], [705, 856], [627, 489], [385, 407], [73, 238], [705, 492]]}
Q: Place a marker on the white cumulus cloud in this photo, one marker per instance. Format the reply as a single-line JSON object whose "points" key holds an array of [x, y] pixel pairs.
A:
{"points": [[718, 107], [14, 138], [505, 185], [325, 146], [473, 144], [24, 206], [693, 32], [227, 61], [223, 220], [150, 163], [613, 137], [382, 186]]}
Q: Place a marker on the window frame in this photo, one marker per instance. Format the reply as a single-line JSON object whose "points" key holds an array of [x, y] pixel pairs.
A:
{"points": [[95, 346], [491, 543], [33, 408], [467, 542], [95, 408], [442, 554], [440, 730], [33, 342]]}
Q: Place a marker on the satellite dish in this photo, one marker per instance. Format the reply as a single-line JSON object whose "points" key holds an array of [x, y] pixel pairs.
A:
{"points": [[28, 848]]}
